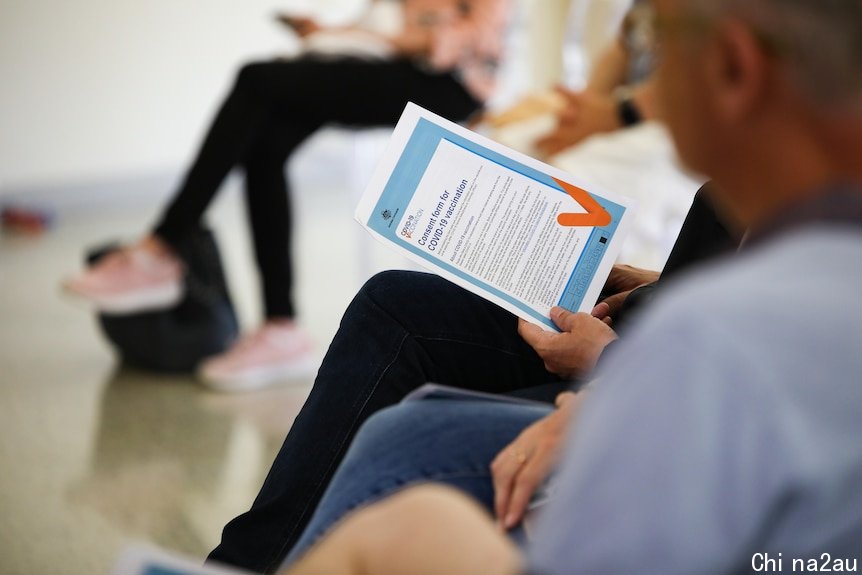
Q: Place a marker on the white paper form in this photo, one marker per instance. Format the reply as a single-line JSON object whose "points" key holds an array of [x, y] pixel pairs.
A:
{"points": [[521, 233]]}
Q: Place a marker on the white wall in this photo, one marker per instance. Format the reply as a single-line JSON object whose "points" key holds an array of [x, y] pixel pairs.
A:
{"points": [[106, 89], [546, 26], [561, 38]]}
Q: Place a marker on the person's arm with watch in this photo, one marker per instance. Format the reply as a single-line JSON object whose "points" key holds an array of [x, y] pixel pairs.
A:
{"points": [[635, 104], [605, 105], [589, 113]]}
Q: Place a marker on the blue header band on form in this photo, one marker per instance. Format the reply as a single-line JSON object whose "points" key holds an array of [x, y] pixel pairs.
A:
{"points": [[410, 169]]}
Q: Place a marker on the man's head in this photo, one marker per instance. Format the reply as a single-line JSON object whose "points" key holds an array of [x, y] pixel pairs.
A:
{"points": [[765, 96]]}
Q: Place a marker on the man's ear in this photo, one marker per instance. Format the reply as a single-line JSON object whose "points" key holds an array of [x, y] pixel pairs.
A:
{"points": [[737, 69]]}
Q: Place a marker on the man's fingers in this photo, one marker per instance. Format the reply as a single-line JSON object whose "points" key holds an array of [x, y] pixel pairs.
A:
{"points": [[531, 333], [562, 318], [601, 311], [503, 470], [618, 275], [615, 302], [524, 485]]}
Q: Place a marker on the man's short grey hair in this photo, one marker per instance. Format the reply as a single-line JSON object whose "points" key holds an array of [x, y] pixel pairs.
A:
{"points": [[822, 40]]}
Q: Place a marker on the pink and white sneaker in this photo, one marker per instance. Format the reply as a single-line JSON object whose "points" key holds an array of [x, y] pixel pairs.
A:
{"points": [[131, 280], [278, 352]]}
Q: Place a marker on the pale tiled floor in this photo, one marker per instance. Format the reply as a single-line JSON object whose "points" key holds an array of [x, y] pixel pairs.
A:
{"points": [[94, 455]]}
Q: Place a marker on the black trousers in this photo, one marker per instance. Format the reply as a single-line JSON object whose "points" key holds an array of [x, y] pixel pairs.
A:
{"points": [[273, 107]]}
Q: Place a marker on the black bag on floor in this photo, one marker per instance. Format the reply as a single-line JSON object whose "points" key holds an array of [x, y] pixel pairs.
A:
{"points": [[177, 339]]}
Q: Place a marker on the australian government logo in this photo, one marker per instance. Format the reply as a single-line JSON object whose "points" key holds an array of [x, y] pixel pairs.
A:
{"points": [[389, 216], [410, 224]]}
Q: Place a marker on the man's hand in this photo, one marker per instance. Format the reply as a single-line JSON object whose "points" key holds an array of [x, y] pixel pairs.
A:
{"points": [[607, 309], [587, 113], [520, 468], [622, 281], [626, 278], [575, 351]]}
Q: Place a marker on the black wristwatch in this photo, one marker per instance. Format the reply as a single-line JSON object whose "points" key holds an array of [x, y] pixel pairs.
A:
{"points": [[628, 112]]}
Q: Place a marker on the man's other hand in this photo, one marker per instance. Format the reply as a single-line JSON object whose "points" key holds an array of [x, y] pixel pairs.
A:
{"points": [[523, 465]]}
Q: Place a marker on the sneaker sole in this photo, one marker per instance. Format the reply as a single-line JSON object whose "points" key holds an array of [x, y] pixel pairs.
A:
{"points": [[154, 299], [261, 378]]}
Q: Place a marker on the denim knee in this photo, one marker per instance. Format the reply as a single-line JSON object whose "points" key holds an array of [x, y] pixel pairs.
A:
{"points": [[435, 439], [391, 425]]}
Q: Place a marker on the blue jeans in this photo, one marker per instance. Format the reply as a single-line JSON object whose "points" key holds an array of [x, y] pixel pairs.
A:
{"points": [[440, 441], [402, 329]]}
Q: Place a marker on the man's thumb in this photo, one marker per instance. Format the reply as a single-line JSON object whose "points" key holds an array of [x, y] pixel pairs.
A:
{"points": [[562, 317]]}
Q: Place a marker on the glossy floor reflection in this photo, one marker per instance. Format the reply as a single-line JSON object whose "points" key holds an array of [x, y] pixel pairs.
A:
{"points": [[94, 455]]}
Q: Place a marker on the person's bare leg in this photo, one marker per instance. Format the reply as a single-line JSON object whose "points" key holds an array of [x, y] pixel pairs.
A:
{"points": [[427, 529]]}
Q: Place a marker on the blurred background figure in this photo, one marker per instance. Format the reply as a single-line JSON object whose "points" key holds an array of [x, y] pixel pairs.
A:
{"points": [[442, 55], [602, 123]]}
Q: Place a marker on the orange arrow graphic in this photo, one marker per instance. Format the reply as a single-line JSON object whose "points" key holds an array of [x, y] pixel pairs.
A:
{"points": [[596, 215]]}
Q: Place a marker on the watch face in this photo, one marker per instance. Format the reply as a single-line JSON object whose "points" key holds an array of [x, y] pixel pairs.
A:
{"points": [[628, 113]]}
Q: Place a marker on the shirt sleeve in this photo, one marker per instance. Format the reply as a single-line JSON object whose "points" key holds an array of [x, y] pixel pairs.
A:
{"points": [[672, 462]]}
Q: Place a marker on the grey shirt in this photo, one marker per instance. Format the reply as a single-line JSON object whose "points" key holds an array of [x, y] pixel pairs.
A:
{"points": [[728, 424]]}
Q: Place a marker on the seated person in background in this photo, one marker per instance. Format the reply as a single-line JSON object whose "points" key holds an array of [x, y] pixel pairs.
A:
{"points": [[584, 132], [724, 429], [619, 93], [444, 58]]}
